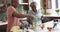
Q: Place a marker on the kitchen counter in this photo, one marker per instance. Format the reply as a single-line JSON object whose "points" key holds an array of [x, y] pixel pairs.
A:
{"points": [[50, 23], [3, 25], [52, 17]]}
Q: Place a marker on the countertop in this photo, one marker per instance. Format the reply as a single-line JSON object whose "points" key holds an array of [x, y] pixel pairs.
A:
{"points": [[3, 23]]}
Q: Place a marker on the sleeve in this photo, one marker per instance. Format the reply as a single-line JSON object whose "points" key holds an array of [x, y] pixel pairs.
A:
{"points": [[39, 14]]}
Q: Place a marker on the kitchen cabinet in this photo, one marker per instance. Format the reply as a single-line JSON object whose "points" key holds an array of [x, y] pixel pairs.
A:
{"points": [[3, 26], [47, 4]]}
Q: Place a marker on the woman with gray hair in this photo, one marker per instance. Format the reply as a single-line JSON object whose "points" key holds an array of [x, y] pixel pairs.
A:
{"points": [[36, 13]]}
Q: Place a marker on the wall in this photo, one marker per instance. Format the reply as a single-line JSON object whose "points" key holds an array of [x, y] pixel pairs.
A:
{"points": [[53, 4], [59, 4]]}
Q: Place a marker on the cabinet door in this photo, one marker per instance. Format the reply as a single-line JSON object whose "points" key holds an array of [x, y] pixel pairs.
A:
{"points": [[48, 4]]}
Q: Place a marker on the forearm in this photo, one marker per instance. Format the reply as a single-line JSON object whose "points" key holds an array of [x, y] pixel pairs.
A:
{"points": [[18, 15], [22, 15]]}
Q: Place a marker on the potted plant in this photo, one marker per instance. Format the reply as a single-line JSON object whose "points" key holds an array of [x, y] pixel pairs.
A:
{"points": [[58, 12]]}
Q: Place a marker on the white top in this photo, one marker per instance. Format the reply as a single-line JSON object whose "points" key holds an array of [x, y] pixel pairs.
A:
{"points": [[37, 14]]}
